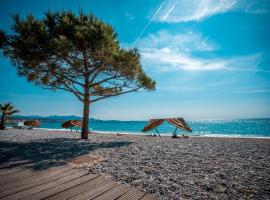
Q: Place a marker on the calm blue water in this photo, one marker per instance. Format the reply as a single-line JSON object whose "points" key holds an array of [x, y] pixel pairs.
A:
{"points": [[230, 128]]}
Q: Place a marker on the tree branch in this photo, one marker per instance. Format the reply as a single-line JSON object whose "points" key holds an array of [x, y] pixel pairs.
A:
{"points": [[60, 75], [104, 80], [69, 79], [107, 96], [95, 75], [78, 94], [76, 89], [66, 89]]}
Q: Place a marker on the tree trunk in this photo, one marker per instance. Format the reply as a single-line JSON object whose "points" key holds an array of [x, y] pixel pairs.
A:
{"points": [[2, 124], [86, 108]]}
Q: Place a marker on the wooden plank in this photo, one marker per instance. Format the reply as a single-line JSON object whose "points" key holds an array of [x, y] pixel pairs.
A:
{"points": [[149, 197], [5, 167], [66, 194], [21, 167], [33, 182], [94, 192], [132, 194], [42, 187], [10, 170], [59, 188], [25, 164], [61, 182], [22, 174], [113, 193], [43, 177], [15, 163], [15, 175]]}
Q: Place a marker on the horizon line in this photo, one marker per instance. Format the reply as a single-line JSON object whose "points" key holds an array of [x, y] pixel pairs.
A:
{"points": [[188, 119]]}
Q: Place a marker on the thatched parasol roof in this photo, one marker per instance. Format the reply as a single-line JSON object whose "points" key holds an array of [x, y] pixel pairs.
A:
{"points": [[153, 123], [32, 123], [72, 123], [177, 122]]}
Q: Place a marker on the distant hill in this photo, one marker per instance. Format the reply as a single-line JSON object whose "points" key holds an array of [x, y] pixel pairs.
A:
{"points": [[59, 118], [48, 118]]}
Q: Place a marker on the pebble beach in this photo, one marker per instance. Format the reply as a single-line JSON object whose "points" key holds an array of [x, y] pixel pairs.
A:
{"points": [[182, 168]]}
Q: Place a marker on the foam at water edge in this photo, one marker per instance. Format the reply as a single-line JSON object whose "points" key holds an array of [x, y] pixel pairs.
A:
{"points": [[162, 134], [52, 129]]}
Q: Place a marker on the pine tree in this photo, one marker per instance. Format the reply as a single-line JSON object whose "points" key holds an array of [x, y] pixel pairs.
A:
{"points": [[76, 53]]}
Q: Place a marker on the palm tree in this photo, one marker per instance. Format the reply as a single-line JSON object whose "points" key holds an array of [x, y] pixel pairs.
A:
{"points": [[7, 110]]}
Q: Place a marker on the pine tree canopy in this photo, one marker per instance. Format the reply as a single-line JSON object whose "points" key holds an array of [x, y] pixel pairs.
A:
{"points": [[77, 53]]}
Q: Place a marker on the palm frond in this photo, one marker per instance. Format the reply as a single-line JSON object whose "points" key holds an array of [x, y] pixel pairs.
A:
{"points": [[13, 112], [8, 109]]}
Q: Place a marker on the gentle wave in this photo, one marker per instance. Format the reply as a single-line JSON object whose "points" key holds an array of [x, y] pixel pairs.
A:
{"points": [[165, 134], [258, 128]]}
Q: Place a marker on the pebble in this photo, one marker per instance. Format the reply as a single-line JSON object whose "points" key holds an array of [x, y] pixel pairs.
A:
{"points": [[193, 168]]}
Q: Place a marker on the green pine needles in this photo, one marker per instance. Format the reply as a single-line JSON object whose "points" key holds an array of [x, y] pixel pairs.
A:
{"points": [[76, 53]]}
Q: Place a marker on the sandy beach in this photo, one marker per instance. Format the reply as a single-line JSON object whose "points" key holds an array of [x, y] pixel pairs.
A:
{"points": [[192, 168]]}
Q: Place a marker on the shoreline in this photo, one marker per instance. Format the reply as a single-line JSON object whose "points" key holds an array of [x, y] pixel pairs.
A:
{"points": [[162, 134]]}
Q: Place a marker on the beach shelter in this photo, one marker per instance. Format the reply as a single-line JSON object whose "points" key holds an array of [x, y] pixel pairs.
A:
{"points": [[32, 123], [177, 122], [72, 123]]}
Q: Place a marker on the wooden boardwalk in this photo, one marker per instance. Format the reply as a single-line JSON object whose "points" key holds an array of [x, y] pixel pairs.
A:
{"points": [[61, 182]]}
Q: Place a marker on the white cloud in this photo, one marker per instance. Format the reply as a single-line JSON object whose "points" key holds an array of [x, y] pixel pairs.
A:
{"points": [[192, 10], [130, 16], [255, 90], [253, 7], [164, 51], [166, 59], [184, 86], [187, 42], [175, 11]]}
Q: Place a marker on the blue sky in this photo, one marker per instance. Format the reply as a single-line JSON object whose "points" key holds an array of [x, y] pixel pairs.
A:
{"points": [[210, 59]]}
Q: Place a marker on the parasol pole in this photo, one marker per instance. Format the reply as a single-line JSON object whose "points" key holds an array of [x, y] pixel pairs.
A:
{"points": [[157, 132], [174, 133]]}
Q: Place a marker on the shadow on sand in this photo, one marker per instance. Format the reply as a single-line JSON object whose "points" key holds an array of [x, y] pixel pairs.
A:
{"points": [[45, 153]]}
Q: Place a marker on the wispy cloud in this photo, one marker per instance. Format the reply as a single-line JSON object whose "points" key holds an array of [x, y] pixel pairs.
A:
{"points": [[192, 10], [165, 52], [188, 41], [129, 16], [191, 86], [253, 7], [254, 90], [175, 11], [149, 22], [222, 86], [166, 59]]}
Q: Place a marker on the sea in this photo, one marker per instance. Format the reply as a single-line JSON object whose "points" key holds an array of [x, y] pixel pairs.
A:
{"points": [[258, 128]]}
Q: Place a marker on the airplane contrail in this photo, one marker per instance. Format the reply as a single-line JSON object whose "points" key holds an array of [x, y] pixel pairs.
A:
{"points": [[140, 35]]}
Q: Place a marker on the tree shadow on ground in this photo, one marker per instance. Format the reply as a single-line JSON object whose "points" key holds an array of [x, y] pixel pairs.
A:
{"points": [[45, 153]]}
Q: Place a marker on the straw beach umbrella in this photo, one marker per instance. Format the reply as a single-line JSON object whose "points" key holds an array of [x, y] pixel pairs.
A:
{"points": [[72, 123], [152, 124], [32, 123], [177, 122]]}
